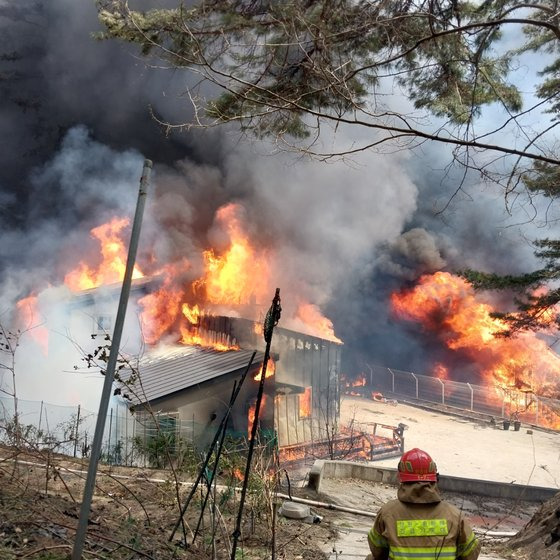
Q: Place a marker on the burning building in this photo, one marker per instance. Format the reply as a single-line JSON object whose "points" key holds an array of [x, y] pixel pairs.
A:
{"points": [[221, 213], [193, 384], [188, 354]]}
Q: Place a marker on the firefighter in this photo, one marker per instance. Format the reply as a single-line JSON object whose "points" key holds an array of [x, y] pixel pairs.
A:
{"points": [[419, 524]]}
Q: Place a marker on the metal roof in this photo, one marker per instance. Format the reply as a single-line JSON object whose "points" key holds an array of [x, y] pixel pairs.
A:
{"points": [[162, 374]]}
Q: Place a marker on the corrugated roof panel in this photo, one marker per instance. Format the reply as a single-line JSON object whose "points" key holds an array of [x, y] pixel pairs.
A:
{"points": [[165, 374]]}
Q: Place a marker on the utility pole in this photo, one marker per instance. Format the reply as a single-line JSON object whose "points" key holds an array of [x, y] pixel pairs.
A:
{"points": [[110, 373]]}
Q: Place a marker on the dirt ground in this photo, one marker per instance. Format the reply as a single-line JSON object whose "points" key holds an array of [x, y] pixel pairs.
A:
{"points": [[134, 510], [132, 516]]}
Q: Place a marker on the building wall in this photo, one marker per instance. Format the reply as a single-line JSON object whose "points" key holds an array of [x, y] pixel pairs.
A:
{"points": [[202, 407], [307, 362], [304, 361]]}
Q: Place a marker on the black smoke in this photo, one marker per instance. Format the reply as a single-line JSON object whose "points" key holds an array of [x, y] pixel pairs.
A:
{"points": [[53, 76], [76, 122]]}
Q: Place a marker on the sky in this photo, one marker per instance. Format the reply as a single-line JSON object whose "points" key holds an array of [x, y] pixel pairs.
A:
{"points": [[75, 127]]}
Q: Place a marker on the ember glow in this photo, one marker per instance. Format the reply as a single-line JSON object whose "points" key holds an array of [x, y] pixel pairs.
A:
{"points": [[447, 306], [359, 382], [252, 412], [161, 309], [441, 372], [112, 264], [352, 387]]}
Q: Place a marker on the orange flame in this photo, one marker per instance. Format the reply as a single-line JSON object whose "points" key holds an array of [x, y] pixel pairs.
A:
{"points": [[113, 264], [252, 412], [350, 384], [270, 370], [305, 403], [207, 339], [241, 273], [310, 315], [160, 311], [191, 313], [236, 275], [360, 382], [448, 306], [28, 318]]}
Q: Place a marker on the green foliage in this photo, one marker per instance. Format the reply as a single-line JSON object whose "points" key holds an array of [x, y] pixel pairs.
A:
{"points": [[157, 448], [280, 61], [6, 553], [543, 178], [489, 281], [163, 445], [15, 433], [113, 455], [283, 66], [536, 297]]}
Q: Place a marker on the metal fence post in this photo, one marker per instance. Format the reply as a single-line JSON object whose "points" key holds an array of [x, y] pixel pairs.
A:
{"points": [[117, 435], [393, 380], [370, 375], [126, 436], [416, 380], [77, 431], [40, 417], [472, 395], [109, 435], [132, 450], [442, 390]]}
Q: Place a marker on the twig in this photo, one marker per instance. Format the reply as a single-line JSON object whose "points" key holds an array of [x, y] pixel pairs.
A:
{"points": [[210, 450], [44, 548], [102, 537], [131, 493], [271, 320], [135, 550]]}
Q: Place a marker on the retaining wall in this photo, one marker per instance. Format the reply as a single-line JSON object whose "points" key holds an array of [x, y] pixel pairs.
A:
{"points": [[361, 471]]}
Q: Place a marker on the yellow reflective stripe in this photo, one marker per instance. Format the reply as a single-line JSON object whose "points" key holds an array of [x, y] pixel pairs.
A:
{"points": [[422, 553], [464, 549], [377, 540], [422, 527]]}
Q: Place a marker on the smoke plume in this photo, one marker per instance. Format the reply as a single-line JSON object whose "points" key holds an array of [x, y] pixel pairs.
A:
{"points": [[76, 126]]}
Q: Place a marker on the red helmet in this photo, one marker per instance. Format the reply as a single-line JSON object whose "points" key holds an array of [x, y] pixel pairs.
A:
{"points": [[416, 465]]}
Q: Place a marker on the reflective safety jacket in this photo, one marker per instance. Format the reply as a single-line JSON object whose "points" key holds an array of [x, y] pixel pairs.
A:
{"points": [[420, 526]]}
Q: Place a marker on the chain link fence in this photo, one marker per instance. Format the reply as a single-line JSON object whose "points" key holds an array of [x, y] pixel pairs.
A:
{"points": [[66, 429], [142, 440], [506, 404]]}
